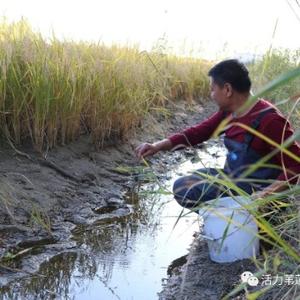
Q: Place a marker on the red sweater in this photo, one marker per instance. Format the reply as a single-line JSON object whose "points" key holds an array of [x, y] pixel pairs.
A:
{"points": [[272, 125]]}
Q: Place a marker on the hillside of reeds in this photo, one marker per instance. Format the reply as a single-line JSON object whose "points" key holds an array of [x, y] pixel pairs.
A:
{"points": [[52, 91]]}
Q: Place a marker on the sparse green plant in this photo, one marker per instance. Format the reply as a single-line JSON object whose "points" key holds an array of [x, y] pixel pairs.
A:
{"points": [[39, 218]]}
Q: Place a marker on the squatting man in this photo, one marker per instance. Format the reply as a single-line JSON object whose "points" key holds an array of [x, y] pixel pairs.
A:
{"points": [[230, 88]]}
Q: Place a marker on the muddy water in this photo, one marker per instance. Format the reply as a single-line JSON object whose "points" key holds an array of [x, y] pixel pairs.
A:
{"points": [[125, 257]]}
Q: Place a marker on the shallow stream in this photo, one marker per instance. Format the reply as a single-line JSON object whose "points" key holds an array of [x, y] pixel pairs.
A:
{"points": [[126, 257]]}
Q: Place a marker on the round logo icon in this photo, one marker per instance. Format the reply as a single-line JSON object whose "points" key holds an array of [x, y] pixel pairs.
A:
{"points": [[248, 277], [245, 276]]}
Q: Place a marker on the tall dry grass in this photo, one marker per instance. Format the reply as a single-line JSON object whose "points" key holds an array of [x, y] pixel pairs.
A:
{"points": [[52, 91], [271, 65]]}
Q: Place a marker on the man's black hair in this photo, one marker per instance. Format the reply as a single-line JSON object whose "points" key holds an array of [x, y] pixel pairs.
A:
{"points": [[231, 71]]}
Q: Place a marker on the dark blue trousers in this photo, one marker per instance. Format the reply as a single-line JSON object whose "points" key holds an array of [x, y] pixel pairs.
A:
{"points": [[189, 191]]}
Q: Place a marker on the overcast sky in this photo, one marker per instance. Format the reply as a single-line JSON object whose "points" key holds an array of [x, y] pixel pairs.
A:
{"points": [[210, 25]]}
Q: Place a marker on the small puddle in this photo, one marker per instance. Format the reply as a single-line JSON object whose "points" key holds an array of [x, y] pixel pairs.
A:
{"points": [[126, 258]]}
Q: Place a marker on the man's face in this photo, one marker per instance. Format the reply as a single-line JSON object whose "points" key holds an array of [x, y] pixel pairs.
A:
{"points": [[221, 94]]}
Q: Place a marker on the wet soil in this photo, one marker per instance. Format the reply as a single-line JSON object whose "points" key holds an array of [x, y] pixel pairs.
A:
{"points": [[198, 277]]}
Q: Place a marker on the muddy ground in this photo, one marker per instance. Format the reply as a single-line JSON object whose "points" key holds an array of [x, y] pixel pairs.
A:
{"points": [[43, 200], [201, 278]]}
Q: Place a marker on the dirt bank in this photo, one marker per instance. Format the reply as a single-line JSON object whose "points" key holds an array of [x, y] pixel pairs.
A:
{"points": [[200, 278], [44, 199]]}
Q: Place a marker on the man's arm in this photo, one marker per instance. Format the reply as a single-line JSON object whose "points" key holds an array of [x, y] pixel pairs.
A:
{"points": [[189, 137], [199, 133]]}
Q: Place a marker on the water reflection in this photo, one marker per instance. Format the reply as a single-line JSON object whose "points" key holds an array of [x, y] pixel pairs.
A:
{"points": [[123, 259], [53, 280]]}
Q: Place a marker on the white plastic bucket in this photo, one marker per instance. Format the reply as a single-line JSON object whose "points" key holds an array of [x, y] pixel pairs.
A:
{"points": [[230, 229]]}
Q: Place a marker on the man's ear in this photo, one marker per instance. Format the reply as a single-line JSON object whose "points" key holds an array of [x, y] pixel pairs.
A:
{"points": [[228, 89]]}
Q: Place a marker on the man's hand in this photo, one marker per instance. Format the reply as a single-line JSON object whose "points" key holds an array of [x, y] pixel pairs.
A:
{"points": [[259, 195], [275, 187], [146, 149]]}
